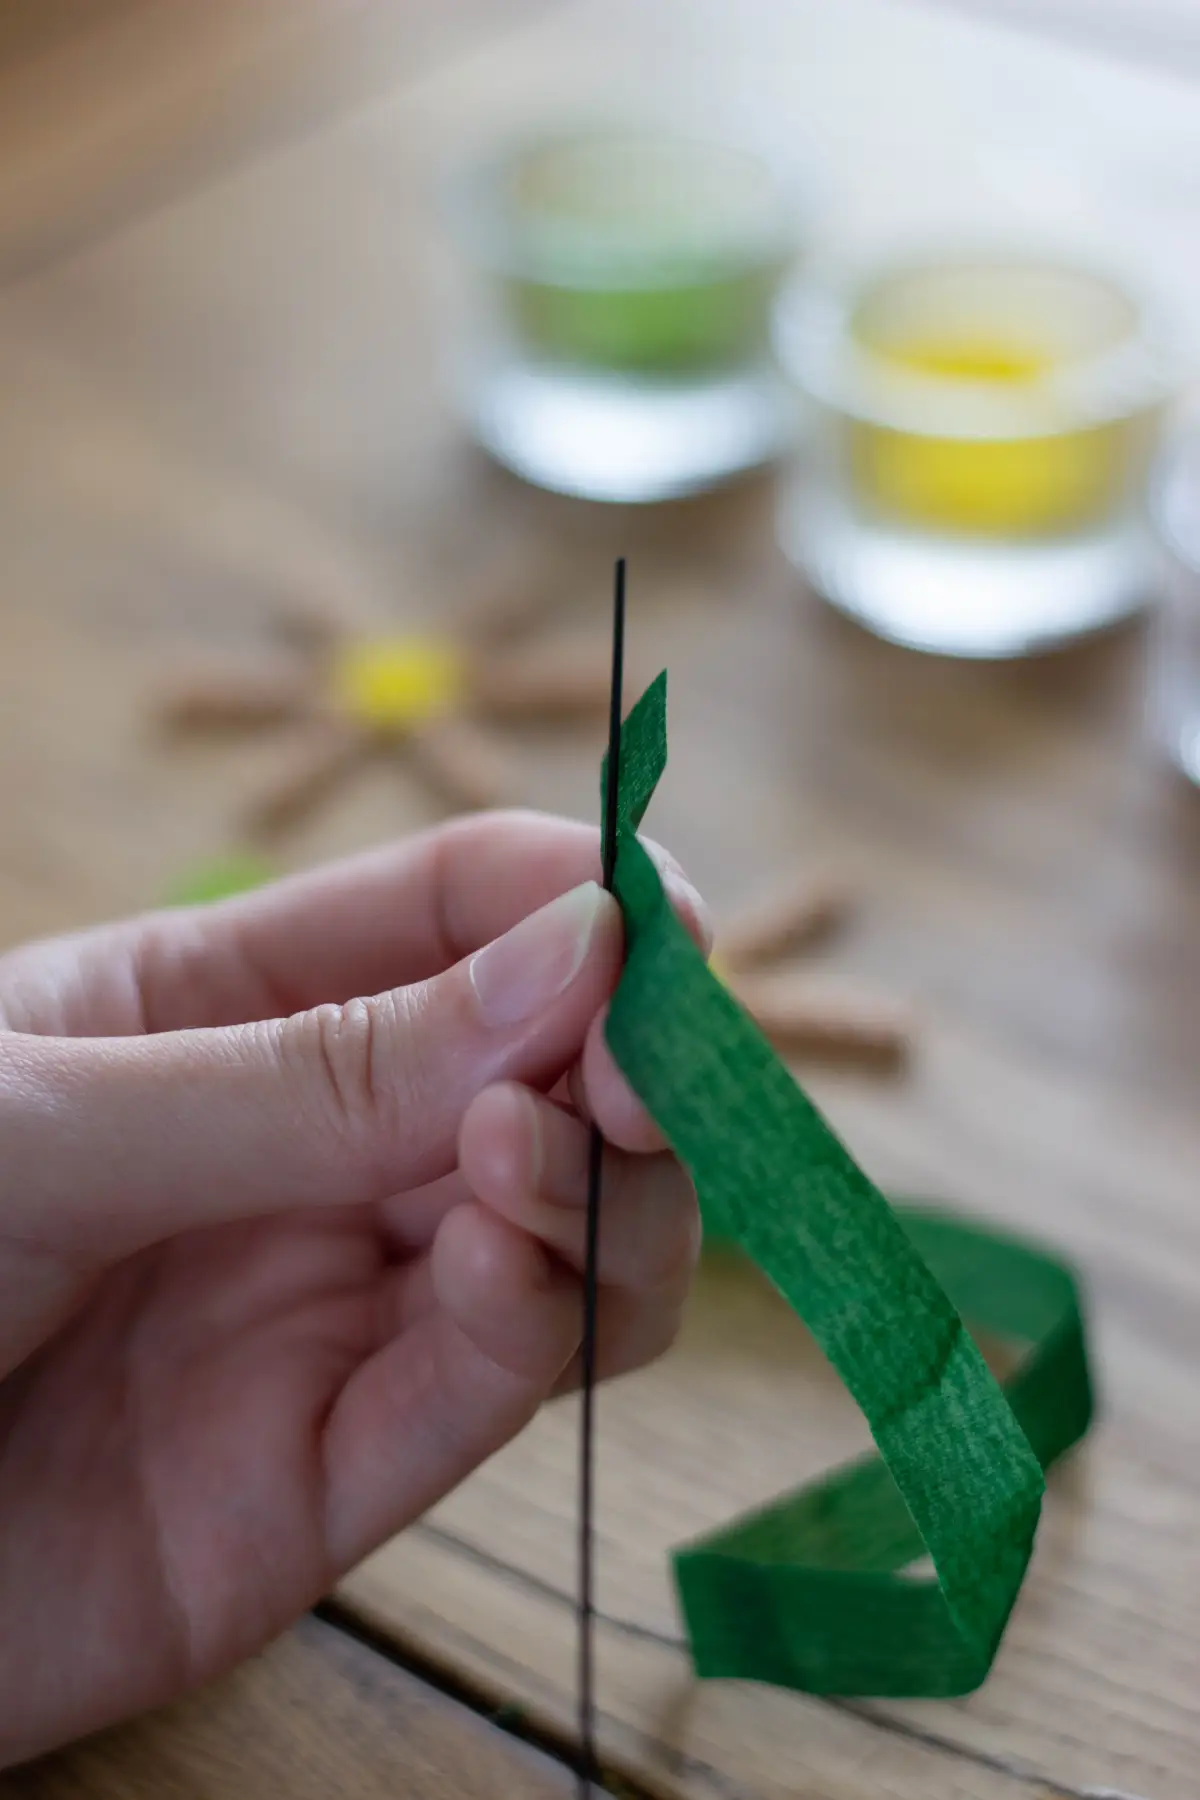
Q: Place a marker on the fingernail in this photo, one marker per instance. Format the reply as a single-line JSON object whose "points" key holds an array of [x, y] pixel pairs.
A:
{"points": [[685, 899], [691, 903], [531, 965]]}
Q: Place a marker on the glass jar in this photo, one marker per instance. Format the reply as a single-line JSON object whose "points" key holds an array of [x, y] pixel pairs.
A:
{"points": [[983, 428], [1175, 654], [617, 342]]}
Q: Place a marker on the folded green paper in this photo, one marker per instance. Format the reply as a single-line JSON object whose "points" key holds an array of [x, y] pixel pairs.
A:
{"points": [[812, 1592]]}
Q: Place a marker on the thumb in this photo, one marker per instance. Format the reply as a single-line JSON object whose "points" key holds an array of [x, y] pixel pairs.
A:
{"points": [[110, 1144]]}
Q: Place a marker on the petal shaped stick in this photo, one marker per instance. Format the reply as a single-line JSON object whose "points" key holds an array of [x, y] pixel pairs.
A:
{"points": [[751, 956]]}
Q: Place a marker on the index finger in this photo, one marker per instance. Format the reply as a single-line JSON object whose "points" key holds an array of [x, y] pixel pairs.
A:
{"points": [[359, 926], [406, 913]]}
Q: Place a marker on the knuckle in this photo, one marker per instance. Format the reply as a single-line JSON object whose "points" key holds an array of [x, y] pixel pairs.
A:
{"points": [[656, 1334], [664, 1337], [170, 972], [355, 1053], [672, 1254]]}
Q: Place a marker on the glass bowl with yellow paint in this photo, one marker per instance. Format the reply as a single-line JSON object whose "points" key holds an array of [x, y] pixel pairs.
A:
{"points": [[983, 428], [617, 342]]}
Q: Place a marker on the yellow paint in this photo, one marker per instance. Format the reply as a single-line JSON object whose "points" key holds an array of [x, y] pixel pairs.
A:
{"points": [[991, 360], [392, 683], [988, 485], [1010, 484]]}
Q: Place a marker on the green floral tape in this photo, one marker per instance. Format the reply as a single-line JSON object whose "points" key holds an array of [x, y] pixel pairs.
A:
{"points": [[814, 1591]]}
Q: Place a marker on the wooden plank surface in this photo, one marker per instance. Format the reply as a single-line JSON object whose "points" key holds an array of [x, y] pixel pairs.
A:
{"points": [[28, 31], [239, 396], [110, 108], [315, 1717]]}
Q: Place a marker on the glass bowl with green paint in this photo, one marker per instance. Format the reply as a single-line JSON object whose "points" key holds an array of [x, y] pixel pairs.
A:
{"points": [[624, 286], [635, 251]]}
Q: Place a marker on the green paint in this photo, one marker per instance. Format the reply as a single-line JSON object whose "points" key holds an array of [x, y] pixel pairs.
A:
{"points": [[668, 330]]}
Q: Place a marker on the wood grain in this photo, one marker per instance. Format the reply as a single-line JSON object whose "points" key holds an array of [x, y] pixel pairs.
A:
{"points": [[27, 31], [505, 1634], [316, 1717], [111, 108], [237, 400]]}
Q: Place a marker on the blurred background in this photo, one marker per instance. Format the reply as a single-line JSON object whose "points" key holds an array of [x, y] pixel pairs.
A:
{"points": [[343, 346]]}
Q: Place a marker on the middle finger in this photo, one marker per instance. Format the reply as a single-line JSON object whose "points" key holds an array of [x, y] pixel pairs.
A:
{"points": [[527, 1159]]}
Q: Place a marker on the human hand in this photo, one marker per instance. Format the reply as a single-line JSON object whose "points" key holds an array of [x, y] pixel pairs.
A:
{"points": [[280, 1264]]}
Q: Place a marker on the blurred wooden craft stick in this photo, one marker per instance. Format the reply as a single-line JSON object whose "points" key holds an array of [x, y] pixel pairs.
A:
{"points": [[328, 751], [507, 610], [790, 917], [463, 763], [204, 697], [316, 621], [799, 1022], [563, 677]]}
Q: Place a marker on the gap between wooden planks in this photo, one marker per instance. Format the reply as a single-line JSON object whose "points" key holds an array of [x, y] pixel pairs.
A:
{"points": [[317, 1714], [1093, 1688]]}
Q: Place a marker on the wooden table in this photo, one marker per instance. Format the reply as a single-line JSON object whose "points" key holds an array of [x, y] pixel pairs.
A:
{"points": [[316, 1717], [218, 386]]}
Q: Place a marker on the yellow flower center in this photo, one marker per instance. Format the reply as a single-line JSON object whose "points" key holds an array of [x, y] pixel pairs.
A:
{"points": [[391, 683]]}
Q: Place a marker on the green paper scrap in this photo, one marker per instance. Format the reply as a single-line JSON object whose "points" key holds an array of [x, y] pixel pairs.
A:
{"points": [[219, 880], [815, 1591]]}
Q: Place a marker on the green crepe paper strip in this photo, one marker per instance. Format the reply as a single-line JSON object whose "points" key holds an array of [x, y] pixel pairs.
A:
{"points": [[811, 1592]]}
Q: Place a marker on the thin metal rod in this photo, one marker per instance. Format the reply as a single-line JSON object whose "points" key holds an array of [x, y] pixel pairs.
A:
{"points": [[589, 1771], [613, 784]]}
